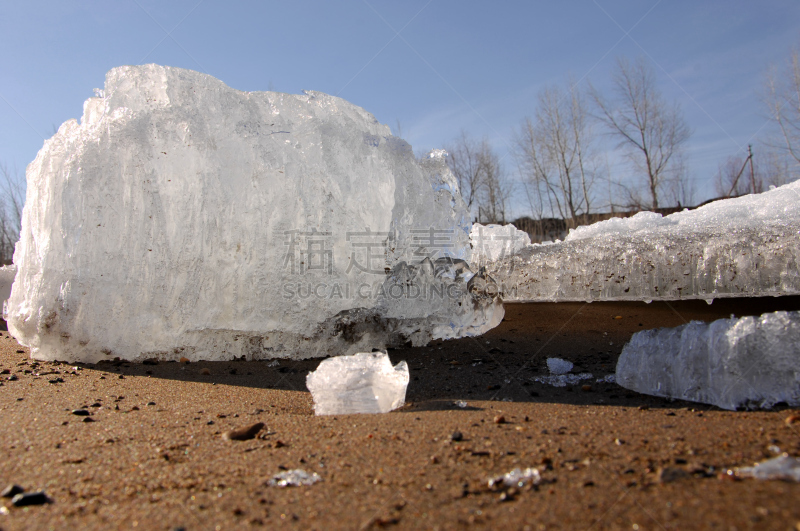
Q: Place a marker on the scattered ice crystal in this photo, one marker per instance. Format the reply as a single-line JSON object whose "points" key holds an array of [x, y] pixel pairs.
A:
{"points": [[460, 403], [731, 363], [516, 478], [562, 380], [608, 378], [745, 246], [559, 366], [183, 218], [360, 383], [782, 467], [294, 478]]}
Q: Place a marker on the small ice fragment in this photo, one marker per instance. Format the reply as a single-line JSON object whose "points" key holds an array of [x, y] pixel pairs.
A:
{"points": [[608, 378], [461, 403], [558, 366], [274, 363], [783, 467], [516, 478], [774, 449], [709, 301], [294, 478], [362, 383], [99, 93], [562, 380]]}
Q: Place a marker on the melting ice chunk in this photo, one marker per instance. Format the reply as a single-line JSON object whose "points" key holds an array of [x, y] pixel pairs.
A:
{"points": [[516, 478], [362, 383], [294, 478], [783, 467], [558, 366], [731, 363]]}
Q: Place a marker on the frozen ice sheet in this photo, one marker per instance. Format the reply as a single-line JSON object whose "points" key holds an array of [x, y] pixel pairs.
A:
{"points": [[361, 383], [731, 363], [746, 246], [183, 218]]}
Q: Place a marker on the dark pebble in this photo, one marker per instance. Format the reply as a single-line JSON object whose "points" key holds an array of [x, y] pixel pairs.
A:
{"points": [[12, 378], [88, 419], [499, 419], [31, 498], [5, 371], [11, 491], [20, 352], [56, 380], [151, 403], [80, 412], [457, 436], [150, 361], [243, 434]]}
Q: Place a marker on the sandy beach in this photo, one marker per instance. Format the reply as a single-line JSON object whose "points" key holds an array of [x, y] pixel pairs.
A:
{"points": [[153, 455]]}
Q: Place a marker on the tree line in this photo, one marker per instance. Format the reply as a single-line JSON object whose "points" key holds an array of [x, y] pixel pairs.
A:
{"points": [[564, 172]]}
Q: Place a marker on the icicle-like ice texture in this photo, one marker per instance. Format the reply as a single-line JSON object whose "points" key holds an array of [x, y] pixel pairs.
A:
{"points": [[360, 383], [746, 246], [183, 218], [730, 363]]}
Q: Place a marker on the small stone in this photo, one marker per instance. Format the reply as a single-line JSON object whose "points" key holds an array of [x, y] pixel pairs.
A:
{"points": [[80, 412], [456, 436], [11, 491], [135, 408], [88, 419], [791, 419], [499, 419], [586, 388], [12, 378], [31, 498], [205, 372], [244, 434], [184, 360], [5, 371], [150, 361], [151, 403], [669, 474]]}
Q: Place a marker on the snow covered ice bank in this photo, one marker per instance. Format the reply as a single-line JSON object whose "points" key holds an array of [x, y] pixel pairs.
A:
{"points": [[182, 217], [747, 246], [731, 363]]}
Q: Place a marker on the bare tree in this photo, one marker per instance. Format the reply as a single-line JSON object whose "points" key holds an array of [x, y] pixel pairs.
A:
{"points": [[12, 189], [555, 155], [480, 177], [649, 130], [783, 102]]}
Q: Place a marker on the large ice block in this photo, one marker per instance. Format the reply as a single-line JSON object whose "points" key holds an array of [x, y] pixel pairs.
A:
{"points": [[731, 363], [183, 218], [747, 246], [360, 383]]}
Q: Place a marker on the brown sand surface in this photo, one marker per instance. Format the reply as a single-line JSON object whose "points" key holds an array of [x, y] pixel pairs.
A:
{"points": [[609, 458]]}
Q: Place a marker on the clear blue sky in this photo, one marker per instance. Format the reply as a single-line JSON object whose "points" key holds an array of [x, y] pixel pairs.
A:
{"points": [[435, 66]]}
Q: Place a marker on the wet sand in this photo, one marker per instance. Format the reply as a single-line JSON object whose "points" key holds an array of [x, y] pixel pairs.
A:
{"points": [[609, 458]]}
